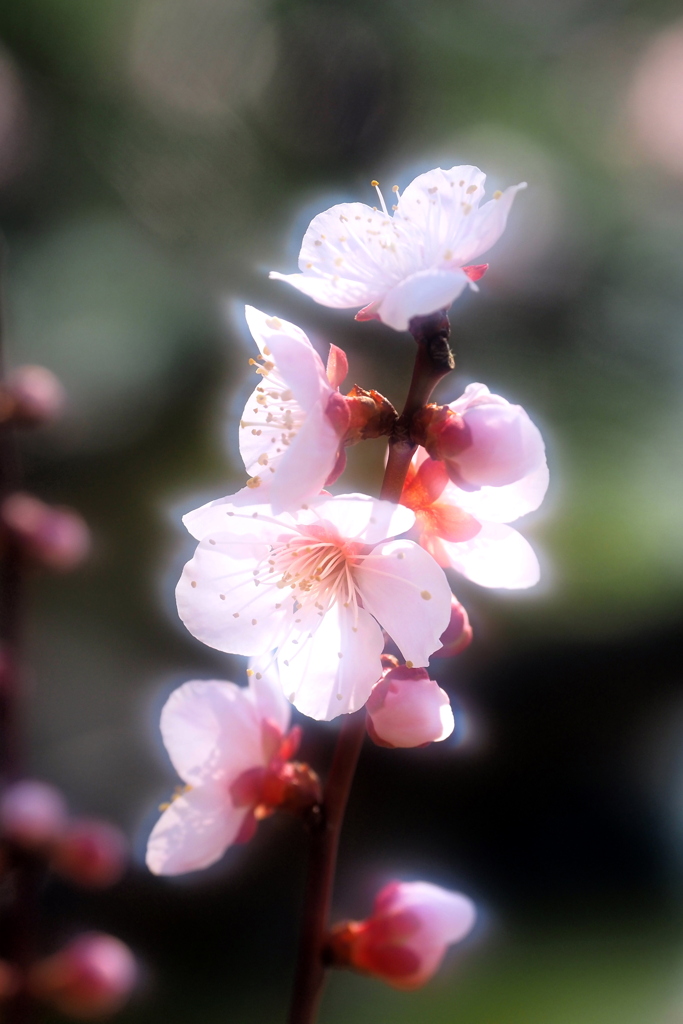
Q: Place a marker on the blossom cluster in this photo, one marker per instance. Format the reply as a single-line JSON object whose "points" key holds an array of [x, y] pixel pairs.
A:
{"points": [[317, 589]]}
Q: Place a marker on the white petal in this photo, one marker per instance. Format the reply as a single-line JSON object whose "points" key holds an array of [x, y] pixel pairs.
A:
{"points": [[439, 204], [193, 832], [211, 730], [360, 517], [305, 466], [407, 592], [423, 292], [332, 672], [220, 602], [486, 225], [265, 684], [502, 504], [497, 557], [297, 362], [235, 512], [336, 292]]}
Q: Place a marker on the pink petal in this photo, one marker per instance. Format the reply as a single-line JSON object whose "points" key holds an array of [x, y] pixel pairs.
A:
{"points": [[271, 703], [337, 366], [497, 557], [408, 709], [305, 466], [423, 292], [486, 225], [332, 671], [220, 602], [435, 202], [503, 504], [360, 517], [300, 367], [222, 513], [194, 832], [211, 730], [407, 592]]}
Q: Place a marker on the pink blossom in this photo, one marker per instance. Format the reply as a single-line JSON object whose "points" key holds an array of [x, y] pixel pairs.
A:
{"points": [[405, 939], [318, 585], [467, 531], [32, 813], [408, 709], [294, 421], [492, 443], [91, 853], [227, 743], [411, 263], [91, 977], [458, 633]]}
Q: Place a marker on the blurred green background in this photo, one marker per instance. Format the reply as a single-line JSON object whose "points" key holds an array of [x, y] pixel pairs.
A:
{"points": [[157, 158]]}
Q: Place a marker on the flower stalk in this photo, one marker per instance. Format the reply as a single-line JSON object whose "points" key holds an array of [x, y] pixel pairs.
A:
{"points": [[433, 361]]}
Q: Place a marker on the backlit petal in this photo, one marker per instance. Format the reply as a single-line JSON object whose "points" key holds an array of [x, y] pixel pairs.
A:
{"points": [[193, 832], [360, 517], [423, 292], [497, 557]]}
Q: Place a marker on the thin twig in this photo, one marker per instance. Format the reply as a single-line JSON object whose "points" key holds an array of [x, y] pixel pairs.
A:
{"points": [[432, 362]]}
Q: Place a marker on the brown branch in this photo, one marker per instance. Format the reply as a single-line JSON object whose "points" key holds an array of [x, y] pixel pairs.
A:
{"points": [[432, 362]]}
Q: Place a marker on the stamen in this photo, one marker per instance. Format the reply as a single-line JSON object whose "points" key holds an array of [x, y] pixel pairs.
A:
{"points": [[375, 185]]}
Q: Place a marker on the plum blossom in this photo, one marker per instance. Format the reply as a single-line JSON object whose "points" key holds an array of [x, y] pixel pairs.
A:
{"points": [[230, 746], [409, 263], [408, 709], [486, 441], [467, 531], [293, 424], [404, 940], [318, 585]]}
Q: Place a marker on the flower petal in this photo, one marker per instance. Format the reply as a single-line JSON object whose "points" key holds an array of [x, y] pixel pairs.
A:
{"points": [[305, 466], [297, 362], [486, 225], [423, 292], [271, 702], [407, 592], [211, 730], [330, 669], [503, 504], [360, 517], [193, 832], [438, 205], [234, 512], [497, 557], [220, 601]]}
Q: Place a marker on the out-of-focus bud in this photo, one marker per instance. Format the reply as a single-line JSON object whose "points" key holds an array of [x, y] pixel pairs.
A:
{"points": [[30, 396], [91, 977], [482, 439], [408, 709], [55, 537], [372, 415], [92, 853], [404, 941], [10, 981], [32, 814], [457, 634]]}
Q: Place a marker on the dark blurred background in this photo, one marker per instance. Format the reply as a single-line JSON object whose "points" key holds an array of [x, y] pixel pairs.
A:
{"points": [[157, 158]]}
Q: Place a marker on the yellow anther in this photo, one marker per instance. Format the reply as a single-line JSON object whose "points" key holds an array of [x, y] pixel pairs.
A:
{"points": [[375, 184]]}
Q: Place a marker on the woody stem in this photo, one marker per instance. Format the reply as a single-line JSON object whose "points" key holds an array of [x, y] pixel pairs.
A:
{"points": [[433, 361]]}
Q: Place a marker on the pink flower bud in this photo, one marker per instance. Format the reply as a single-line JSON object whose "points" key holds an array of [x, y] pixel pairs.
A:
{"points": [[457, 635], [404, 940], [408, 709], [90, 977], [32, 813], [505, 446], [31, 396], [91, 853], [55, 537]]}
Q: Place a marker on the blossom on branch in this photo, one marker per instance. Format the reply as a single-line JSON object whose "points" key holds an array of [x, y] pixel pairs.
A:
{"points": [[409, 263], [318, 585], [408, 709], [292, 427], [230, 746], [467, 531], [405, 939]]}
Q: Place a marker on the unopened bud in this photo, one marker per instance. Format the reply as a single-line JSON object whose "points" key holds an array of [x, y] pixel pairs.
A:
{"points": [[404, 940], [91, 977], [32, 814], [54, 537], [457, 634], [31, 395], [408, 709], [371, 415], [92, 853]]}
